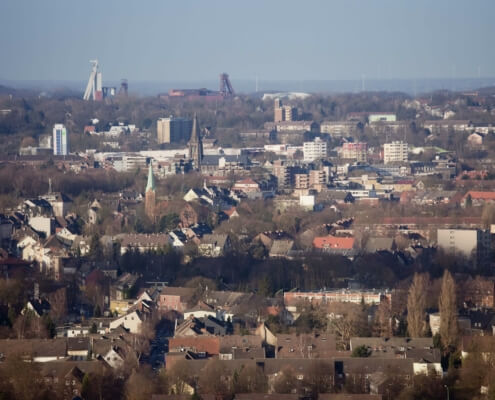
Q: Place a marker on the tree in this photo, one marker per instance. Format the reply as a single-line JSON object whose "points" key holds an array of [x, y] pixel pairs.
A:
{"points": [[416, 305], [140, 385], [361, 351], [447, 306], [21, 376], [286, 382], [213, 379], [179, 377], [318, 378], [250, 379]]}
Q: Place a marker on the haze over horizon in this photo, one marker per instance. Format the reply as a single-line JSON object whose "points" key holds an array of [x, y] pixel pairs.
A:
{"points": [[276, 40]]}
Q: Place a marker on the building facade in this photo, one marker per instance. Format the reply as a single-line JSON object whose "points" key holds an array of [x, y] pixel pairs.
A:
{"points": [[355, 151], [474, 243], [283, 113], [60, 140], [315, 150], [395, 152], [173, 129]]}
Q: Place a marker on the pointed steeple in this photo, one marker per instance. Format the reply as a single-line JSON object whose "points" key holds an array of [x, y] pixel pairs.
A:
{"points": [[151, 179], [196, 145], [195, 129]]}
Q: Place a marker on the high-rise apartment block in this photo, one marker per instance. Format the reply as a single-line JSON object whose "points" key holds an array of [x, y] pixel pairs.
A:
{"points": [[474, 243], [173, 129], [60, 140], [283, 113], [315, 150], [355, 151], [395, 152]]}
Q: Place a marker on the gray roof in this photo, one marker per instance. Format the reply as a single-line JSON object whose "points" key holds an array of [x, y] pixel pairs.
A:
{"points": [[375, 244], [392, 343], [218, 240]]}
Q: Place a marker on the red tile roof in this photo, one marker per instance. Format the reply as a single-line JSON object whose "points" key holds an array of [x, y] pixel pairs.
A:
{"points": [[480, 195], [333, 242]]}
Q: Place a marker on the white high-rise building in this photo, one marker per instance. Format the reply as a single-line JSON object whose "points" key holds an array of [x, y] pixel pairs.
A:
{"points": [[315, 150], [60, 140], [395, 152]]}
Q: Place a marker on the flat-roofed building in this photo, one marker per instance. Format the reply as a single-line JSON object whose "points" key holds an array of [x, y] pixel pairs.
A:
{"points": [[395, 151], [467, 242], [355, 151], [315, 150], [173, 129]]}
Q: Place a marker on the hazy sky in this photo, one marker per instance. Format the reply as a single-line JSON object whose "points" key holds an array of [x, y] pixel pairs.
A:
{"points": [[294, 40]]}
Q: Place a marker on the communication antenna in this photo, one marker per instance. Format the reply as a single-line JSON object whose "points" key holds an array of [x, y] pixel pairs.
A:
{"points": [[256, 83]]}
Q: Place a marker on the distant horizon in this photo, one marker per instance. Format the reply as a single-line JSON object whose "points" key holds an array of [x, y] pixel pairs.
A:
{"points": [[247, 86]]}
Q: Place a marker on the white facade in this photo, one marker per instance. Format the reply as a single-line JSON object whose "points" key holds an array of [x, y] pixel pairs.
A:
{"points": [[315, 150], [307, 201], [60, 140], [42, 224], [382, 117], [395, 152], [468, 242], [131, 321]]}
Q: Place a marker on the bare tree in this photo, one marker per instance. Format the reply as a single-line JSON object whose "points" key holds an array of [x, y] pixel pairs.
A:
{"points": [[447, 306], [213, 379], [286, 381], [416, 305], [179, 377], [140, 385]]}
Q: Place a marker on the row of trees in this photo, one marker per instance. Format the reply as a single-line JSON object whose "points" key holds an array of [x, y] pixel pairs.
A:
{"points": [[416, 309]]}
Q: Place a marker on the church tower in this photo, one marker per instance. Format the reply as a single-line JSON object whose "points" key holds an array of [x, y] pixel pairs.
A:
{"points": [[196, 145], [149, 202]]}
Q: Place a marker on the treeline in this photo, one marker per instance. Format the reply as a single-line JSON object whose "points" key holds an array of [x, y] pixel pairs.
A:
{"points": [[246, 272], [26, 181]]}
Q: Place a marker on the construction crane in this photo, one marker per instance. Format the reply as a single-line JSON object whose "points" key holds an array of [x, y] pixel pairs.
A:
{"points": [[226, 89], [93, 89]]}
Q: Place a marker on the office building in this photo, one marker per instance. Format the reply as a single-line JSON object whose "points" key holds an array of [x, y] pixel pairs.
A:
{"points": [[395, 152], [60, 140], [173, 129], [315, 150]]}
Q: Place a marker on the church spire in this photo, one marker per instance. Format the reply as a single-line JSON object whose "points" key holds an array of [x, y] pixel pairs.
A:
{"points": [[196, 145], [149, 196], [151, 179]]}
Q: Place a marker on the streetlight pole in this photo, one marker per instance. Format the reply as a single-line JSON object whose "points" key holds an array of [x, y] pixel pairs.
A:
{"points": [[448, 392]]}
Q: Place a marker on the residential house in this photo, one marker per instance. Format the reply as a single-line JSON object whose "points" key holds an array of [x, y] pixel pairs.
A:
{"points": [[175, 298], [281, 248], [306, 346], [477, 199], [335, 244], [131, 321], [200, 310], [143, 242], [202, 326], [214, 245]]}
